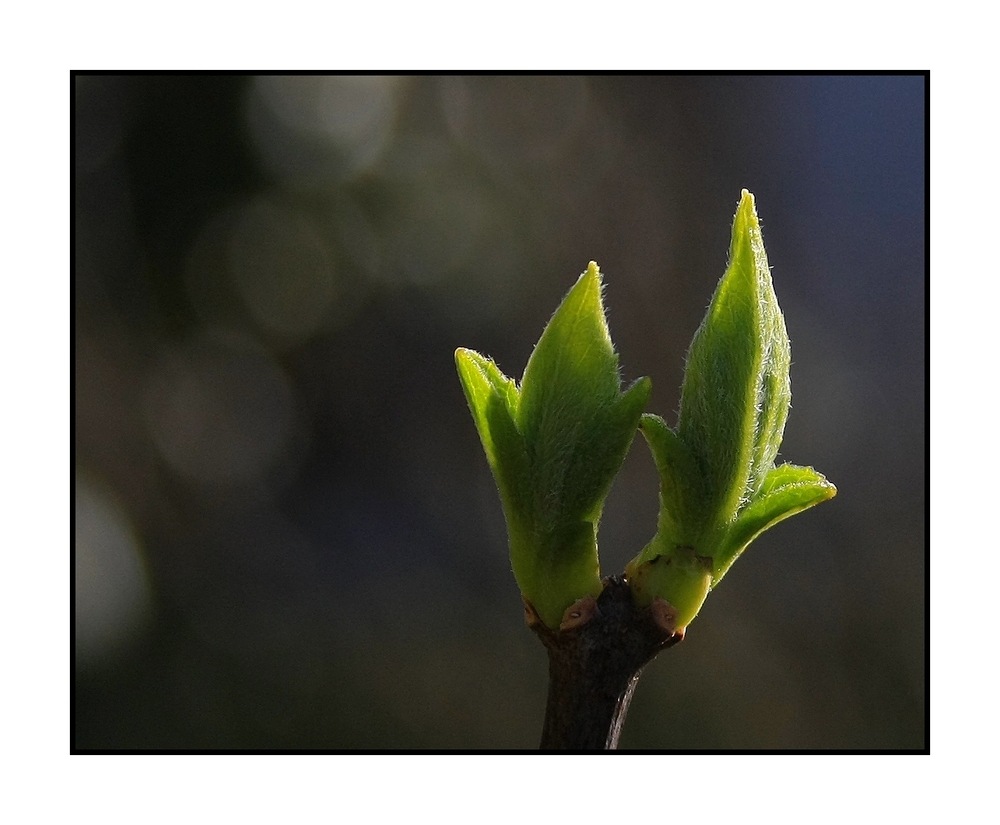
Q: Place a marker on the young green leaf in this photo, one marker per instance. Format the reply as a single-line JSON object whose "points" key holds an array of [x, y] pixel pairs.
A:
{"points": [[719, 488], [736, 393], [786, 490], [682, 494], [555, 444], [493, 401]]}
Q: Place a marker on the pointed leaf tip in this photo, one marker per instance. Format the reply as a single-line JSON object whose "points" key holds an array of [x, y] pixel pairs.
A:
{"points": [[788, 489]]}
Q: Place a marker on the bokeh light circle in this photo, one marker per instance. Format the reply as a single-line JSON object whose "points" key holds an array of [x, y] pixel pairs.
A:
{"points": [[281, 269], [112, 593], [219, 410]]}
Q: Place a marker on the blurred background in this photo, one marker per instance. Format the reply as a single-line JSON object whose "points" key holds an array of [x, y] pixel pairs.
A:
{"points": [[286, 532]]}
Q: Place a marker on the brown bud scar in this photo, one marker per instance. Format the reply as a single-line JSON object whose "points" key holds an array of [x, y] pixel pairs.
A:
{"points": [[578, 613], [531, 618], [665, 616]]}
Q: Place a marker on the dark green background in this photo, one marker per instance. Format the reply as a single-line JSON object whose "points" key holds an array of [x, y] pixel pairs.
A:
{"points": [[287, 533]]}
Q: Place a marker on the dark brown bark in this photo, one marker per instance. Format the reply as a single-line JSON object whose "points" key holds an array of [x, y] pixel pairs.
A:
{"points": [[594, 667]]}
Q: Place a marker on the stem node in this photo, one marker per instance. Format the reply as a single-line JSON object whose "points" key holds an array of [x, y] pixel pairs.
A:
{"points": [[594, 666]]}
